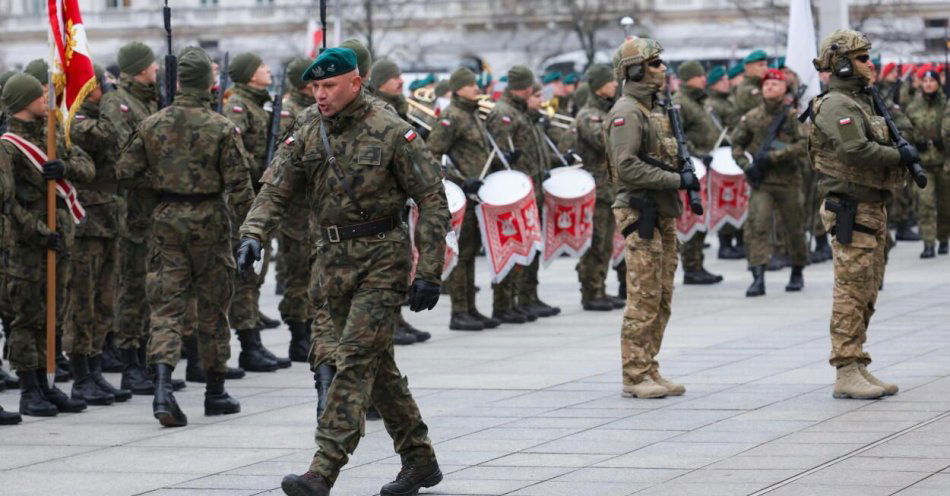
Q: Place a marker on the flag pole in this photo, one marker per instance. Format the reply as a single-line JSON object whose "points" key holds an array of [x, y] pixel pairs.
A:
{"points": [[51, 224]]}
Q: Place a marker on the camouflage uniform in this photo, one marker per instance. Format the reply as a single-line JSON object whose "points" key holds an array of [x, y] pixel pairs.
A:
{"points": [[748, 95], [188, 157], [933, 202], [718, 104], [363, 279]]}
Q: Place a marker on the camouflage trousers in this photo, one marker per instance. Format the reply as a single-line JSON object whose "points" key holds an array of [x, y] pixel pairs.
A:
{"points": [[294, 256], [592, 267], [245, 312], [324, 337], [27, 332], [190, 267], [691, 252], [933, 206], [505, 293], [527, 288], [92, 289], [651, 264], [461, 283], [766, 201], [859, 271], [131, 303]]}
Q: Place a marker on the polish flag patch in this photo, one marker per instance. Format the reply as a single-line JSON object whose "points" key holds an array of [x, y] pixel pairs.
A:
{"points": [[506, 119], [619, 121], [410, 135], [289, 140], [237, 130], [239, 110], [285, 113], [844, 122], [595, 118], [80, 117], [445, 122], [123, 107]]}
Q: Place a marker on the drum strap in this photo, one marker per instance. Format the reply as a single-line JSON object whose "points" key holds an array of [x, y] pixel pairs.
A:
{"points": [[331, 159]]}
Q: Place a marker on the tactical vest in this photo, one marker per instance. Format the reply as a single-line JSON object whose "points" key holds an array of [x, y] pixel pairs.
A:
{"points": [[662, 144], [872, 175]]}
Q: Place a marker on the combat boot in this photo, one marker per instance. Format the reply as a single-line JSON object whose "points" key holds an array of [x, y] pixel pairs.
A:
{"points": [[32, 401], [509, 317], [527, 312], [616, 301], [63, 403], [193, 370], [740, 245], [95, 368], [164, 406], [672, 388], [487, 322], [267, 322], [308, 484], [796, 282], [906, 233], [928, 251], [251, 358], [758, 281], [133, 377], [372, 413], [701, 277], [299, 349], [462, 321], [412, 478], [84, 388], [850, 383], [542, 309], [597, 305], [111, 361], [646, 388], [420, 335], [822, 248], [9, 418], [217, 400], [777, 262], [726, 250], [322, 379], [282, 363], [177, 384], [889, 388], [944, 248], [402, 338]]}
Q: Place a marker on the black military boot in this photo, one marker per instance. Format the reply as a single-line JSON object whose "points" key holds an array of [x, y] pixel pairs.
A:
{"points": [[823, 248], [234, 373], [597, 305], [111, 361], [420, 335], [777, 262], [413, 478], [796, 282], [616, 301], [509, 317], [758, 281], [62, 363], [906, 233], [9, 418], [462, 321], [9, 381], [217, 400], [944, 248], [95, 368], [526, 311], [193, 370], [701, 277], [134, 377], [542, 309], [928, 251], [164, 406], [251, 359], [299, 350], [63, 403], [322, 379], [32, 401], [487, 322], [267, 322], [84, 388], [402, 338], [308, 484], [282, 363]]}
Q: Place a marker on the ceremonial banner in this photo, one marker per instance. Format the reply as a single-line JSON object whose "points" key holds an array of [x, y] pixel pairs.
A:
{"points": [[728, 191], [569, 198], [73, 76], [508, 221]]}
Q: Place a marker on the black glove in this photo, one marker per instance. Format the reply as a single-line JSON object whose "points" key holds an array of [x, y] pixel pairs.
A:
{"points": [[909, 154], [512, 156], [423, 295], [689, 181], [754, 174], [54, 169], [54, 241], [569, 158], [471, 186], [248, 253]]}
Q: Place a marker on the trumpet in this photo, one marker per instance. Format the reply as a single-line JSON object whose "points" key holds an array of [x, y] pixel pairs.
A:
{"points": [[421, 108], [426, 95], [557, 119]]}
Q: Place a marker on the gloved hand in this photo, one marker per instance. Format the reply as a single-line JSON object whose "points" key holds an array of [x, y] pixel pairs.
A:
{"points": [[909, 154], [471, 186], [763, 161], [512, 156], [689, 181], [54, 241], [248, 253], [569, 157], [754, 173], [54, 169], [423, 295]]}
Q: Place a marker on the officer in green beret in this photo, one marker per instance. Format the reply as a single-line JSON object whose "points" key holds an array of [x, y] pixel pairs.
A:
{"points": [[365, 163], [749, 93], [736, 75], [723, 112]]}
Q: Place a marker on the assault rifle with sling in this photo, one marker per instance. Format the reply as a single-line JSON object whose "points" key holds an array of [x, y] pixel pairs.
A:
{"points": [[760, 162], [171, 61], [223, 79], [915, 169], [682, 153], [273, 128]]}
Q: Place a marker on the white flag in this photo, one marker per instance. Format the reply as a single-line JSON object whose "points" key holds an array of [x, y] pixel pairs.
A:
{"points": [[802, 48]]}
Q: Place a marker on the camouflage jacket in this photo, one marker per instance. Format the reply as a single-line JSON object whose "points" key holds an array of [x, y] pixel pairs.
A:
{"points": [[296, 224], [748, 94], [28, 208], [590, 146], [720, 106], [294, 104], [245, 108], [701, 131], [638, 127], [385, 163], [460, 134], [509, 120], [396, 103], [188, 149], [925, 113], [99, 197], [787, 150]]}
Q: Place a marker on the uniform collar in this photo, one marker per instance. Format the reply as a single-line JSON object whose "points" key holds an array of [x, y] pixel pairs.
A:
{"points": [[302, 99], [191, 97], [640, 92], [853, 85], [696, 94], [144, 92], [259, 96], [600, 103], [468, 106], [35, 129], [771, 106], [516, 102]]}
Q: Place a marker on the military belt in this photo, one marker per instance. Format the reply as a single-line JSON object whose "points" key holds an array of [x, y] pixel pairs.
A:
{"points": [[336, 234], [190, 198], [845, 210]]}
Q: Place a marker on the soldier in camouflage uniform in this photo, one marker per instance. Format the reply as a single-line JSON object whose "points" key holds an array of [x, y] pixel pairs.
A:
{"points": [[189, 158], [701, 135], [359, 165], [461, 136], [245, 108], [749, 93], [776, 180], [720, 106], [641, 153], [26, 171], [851, 147], [933, 202]]}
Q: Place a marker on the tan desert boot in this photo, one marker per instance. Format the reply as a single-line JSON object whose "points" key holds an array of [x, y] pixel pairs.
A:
{"points": [[646, 388], [889, 389], [851, 384], [672, 388]]}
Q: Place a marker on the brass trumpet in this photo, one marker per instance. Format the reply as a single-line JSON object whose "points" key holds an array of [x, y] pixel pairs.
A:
{"points": [[485, 106], [550, 109]]}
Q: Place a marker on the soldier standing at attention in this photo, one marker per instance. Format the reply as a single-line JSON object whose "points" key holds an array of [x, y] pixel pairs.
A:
{"points": [[749, 93], [359, 165], [933, 202], [723, 111], [189, 158], [641, 151], [851, 147]]}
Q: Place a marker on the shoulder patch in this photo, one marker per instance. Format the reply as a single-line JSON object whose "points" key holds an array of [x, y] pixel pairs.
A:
{"points": [[410, 135], [237, 130], [595, 118], [506, 119], [445, 122], [237, 109], [80, 117], [289, 140], [285, 113], [755, 91], [123, 107], [619, 121], [844, 122]]}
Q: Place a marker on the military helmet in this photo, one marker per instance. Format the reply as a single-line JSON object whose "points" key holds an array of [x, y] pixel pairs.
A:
{"points": [[839, 44], [632, 52]]}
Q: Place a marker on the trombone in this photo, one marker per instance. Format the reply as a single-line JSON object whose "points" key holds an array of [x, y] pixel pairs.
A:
{"points": [[559, 120], [422, 94]]}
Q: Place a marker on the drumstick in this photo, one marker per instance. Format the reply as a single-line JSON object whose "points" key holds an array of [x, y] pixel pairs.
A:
{"points": [[722, 136], [487, 165]]}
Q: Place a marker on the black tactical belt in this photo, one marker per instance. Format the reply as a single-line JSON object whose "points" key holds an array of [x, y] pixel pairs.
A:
{"points": [[193, 198], [335, 234]]}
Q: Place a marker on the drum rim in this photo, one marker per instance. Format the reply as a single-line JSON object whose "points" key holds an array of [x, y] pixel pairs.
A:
{"points": [[521, 175]]}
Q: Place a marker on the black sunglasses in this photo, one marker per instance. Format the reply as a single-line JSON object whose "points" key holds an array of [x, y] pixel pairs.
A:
{"points": [[655, 63], [863, 58]]}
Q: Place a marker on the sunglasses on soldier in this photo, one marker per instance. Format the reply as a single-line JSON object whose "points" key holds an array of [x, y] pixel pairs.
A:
{"points": [[863, 58], [655, 63]]}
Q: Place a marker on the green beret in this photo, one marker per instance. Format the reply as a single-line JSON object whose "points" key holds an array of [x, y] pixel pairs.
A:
{"points": [[426, 81], [39, 69], [242, 68], [755, 56], [461, 78], [295, 72], [520, 77], [442, 87], [331, 63], [194, 69], [690, 69], [4, 77], [503, 79], [484, 79], [598, 75], [415, 84], [364, 60], [715, 74], [135, 57], [735, 70], [383, 70], [20, 91], [778, 63], [552, 77], [572, 78]]}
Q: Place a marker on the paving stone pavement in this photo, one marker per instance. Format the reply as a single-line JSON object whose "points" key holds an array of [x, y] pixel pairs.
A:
{"points": [[535, 410]]}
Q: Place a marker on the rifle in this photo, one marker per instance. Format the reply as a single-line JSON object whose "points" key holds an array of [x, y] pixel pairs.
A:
{"points": [[682, 154], [323, 23], [171, 61], [771, 134], [915, 170], [946, 61], [273, 129], [223, 81], [896, 90]]}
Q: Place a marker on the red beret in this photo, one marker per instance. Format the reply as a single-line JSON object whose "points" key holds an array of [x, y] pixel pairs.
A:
{"points": [[773, 74], [907, 69], [888, 68], [922, 68]]}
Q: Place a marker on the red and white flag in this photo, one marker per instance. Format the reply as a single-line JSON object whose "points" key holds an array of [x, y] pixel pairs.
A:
{"points": [[73, 76], [315, 36]]}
